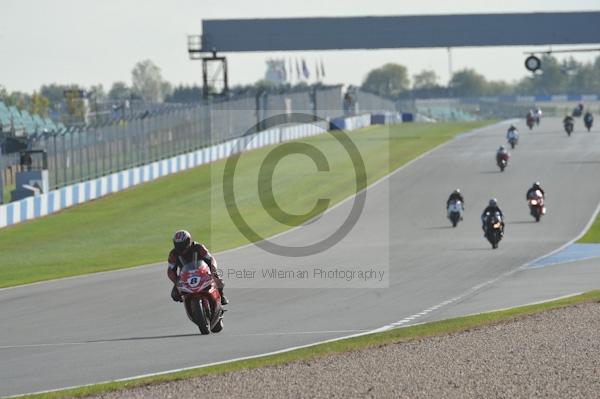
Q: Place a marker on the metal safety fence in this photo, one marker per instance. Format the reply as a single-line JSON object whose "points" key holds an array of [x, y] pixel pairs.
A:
{"points": [[83, 153]]}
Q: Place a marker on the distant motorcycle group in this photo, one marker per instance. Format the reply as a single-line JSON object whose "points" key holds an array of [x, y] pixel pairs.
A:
{"points": [[512, 137], [492, 218], [502, 155], [569, 121]]}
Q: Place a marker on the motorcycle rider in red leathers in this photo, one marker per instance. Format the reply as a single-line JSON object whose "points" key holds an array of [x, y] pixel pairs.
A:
{"points": [[502, 153], [183, 251]]}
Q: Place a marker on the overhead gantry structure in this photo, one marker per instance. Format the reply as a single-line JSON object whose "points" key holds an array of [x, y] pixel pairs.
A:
{"points": [[387, 32]]}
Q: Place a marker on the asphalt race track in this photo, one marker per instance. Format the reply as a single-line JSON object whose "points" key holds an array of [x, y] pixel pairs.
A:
{"points": [[121, 324]]}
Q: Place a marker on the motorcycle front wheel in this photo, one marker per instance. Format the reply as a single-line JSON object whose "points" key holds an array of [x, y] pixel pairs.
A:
{"points": [[218, 327], [198, 316], [454, 218]]}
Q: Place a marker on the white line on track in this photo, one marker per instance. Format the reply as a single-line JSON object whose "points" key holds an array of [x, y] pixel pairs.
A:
{"points": [[41, 345]]}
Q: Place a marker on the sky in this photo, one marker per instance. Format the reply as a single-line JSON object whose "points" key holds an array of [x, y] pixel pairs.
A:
{"points": [[98, 42]]}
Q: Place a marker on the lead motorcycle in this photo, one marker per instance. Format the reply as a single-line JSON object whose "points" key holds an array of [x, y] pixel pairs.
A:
{"points": [[536, 205], [493, 228], [201, 297], [455, 210]]}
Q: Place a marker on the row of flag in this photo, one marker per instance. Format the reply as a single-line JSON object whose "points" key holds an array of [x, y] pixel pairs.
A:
{"points": [[300, 68]]}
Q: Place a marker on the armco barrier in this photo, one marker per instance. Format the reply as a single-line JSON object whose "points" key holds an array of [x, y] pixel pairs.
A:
{"points": [[386, 118], [53, 201], [350, 123]]}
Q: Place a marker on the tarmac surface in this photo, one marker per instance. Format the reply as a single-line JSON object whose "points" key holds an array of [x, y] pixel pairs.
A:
{"points": [[122, 324]]}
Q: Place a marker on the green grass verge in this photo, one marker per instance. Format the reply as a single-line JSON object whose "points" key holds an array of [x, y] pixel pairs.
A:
{"points": [[592, 236], [134, 227], [398, 335]]}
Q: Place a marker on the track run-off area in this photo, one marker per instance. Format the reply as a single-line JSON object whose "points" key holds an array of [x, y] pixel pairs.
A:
{"points": [[121, 324]]}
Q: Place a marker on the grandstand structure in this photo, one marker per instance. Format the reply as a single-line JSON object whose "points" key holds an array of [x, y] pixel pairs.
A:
{"points": [[19, 123]]}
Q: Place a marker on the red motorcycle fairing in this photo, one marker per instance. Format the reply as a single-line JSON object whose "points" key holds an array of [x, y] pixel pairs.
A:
{"points": [[196, 284]]}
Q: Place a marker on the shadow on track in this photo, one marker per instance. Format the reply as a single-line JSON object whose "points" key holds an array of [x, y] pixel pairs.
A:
{"points": [[143, 338], [482, 248], [445, 227]]}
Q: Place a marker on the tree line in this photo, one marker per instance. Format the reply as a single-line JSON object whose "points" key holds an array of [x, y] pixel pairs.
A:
{"points": [[391, 80], [556, 77], [147, 84]]}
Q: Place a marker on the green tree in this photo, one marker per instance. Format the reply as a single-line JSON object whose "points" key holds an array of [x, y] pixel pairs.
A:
{"points": [[148, 83], [468, 83], [119, 91], [75, 104], [185, 94], [98, 93], [389, 80], [3, 93], [39, 105], [426, 79], [552, 79], [54, 92], [499, 88]]}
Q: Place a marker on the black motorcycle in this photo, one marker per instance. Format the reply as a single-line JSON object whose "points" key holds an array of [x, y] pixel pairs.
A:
{"points": [[569, 128], [589, 121], [493, 228]]}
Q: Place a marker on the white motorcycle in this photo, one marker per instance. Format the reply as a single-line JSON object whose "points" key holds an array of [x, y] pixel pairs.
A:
{"points": [[512, 138], [455, 212]]}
